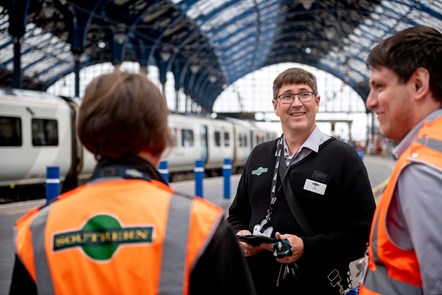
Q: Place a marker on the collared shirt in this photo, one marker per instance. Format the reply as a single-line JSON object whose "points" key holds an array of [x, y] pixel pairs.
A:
{"points": [[408, 139], [312, 144], [414, 216]]}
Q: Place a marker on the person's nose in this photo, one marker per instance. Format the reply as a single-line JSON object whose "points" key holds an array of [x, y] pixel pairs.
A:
{"points": [[371, 101], [296, 101]]}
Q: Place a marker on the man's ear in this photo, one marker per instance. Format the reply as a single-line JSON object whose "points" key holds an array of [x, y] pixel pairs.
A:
{"points": [[275, 104], [421, 82], [317, 101]]}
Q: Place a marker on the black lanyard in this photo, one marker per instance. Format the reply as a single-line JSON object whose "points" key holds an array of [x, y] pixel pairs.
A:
{"points": [[273, 197]]}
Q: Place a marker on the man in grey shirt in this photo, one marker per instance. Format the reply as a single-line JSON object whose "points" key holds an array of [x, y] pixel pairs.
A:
{"points": [[405, 251]]}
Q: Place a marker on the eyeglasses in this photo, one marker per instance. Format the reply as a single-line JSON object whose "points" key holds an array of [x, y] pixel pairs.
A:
{"points": [[289, 98]]}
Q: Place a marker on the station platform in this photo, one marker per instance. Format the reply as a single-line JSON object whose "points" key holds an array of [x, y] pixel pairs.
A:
{"points": [[378, 167]]}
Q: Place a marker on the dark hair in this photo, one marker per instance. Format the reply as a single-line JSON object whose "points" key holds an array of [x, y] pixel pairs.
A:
{"points": [[408, 50], [123, 113], [294, 76]]}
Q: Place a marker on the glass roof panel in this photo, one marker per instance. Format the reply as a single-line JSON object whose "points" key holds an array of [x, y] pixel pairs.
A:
{"points": [[203, 7], [4, 22], [434, 5], [224, 39], [234, 37], [240, 35], [435, 22], [395, 9], [240, 50], [228, 14], [54, 72], [388, 17], [7, 54], [30, 57]]}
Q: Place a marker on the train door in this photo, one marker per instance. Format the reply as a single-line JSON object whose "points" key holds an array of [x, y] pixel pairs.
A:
{"points": [[204, 143], [252, 140]]}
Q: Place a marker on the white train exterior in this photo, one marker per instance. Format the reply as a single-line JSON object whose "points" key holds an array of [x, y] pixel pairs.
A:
{"points": [[37, 130]]}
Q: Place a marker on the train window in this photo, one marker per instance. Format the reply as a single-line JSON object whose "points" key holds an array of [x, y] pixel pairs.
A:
{"points": [[217, 138], [10, 131], [187, 138], [242, 138], [44, 132], [259, 138], [226, 139]]}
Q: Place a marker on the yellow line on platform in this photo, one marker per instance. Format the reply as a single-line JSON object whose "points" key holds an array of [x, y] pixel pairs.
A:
{"points": [[378, 189]]}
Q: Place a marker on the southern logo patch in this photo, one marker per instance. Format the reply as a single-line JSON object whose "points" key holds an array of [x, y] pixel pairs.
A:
{"points": [[259, 171], [101, 236]]}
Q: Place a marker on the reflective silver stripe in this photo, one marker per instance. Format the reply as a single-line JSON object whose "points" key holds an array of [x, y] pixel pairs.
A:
{"points": [[52, 180], [175, 246], [42, 272], [431, 143], [374, 242], [380, 282]]}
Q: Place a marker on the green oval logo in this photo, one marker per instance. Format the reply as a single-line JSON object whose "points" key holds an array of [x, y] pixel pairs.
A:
{"points": [[259, 171], [101, 236]]}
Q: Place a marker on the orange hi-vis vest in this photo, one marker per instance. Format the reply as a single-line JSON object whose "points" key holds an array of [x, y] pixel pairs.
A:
{"points": [[393, 270], [116, 237]]}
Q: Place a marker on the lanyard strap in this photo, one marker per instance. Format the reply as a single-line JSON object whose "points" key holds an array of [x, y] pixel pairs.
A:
{"points": [[273, 197], [291, 200]]}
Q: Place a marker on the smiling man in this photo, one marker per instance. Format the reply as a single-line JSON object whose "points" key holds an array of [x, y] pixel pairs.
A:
{"points": [[405, 252], [315, 199]]}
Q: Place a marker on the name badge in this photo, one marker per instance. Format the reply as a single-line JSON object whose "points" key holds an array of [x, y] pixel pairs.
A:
{"points": [[314, 186]]}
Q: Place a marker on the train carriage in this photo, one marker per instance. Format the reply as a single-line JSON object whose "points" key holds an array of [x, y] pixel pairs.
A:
{"points": [[37, 130]]}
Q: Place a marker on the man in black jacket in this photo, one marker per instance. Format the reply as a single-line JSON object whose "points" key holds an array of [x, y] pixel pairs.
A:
{"points": [[306, 189]]}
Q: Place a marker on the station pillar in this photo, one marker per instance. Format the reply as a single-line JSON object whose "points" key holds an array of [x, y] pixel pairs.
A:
{"points": [[52, 182], [163, 168], [227, 173], [199, 176]]}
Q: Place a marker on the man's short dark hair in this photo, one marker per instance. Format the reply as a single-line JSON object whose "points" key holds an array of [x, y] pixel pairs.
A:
{"points": [[408, 50], [294, 76]]}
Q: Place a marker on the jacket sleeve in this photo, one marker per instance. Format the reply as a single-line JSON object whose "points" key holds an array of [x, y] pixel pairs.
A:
{"points": [[240, 210], [22, 282], [222, 268]]}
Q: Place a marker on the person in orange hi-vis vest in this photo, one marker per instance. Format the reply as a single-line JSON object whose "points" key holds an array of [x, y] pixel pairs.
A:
{"points": [[126, 231], [405, 249]]}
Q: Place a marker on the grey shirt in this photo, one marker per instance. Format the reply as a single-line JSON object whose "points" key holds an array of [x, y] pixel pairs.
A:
{"points": [[312, 144], [415, 216]]}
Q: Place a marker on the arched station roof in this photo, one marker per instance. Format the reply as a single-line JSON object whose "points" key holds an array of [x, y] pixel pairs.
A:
{"points": [[206, 44]]}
